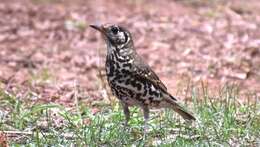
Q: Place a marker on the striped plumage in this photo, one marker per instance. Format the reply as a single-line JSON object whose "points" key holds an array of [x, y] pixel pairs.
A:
{"points": [[131, 80]]}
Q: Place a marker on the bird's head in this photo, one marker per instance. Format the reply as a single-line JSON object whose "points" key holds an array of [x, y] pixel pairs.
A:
{"points": [[114, 35]]}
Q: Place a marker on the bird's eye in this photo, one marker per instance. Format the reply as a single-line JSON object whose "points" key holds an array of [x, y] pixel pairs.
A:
{"points": [[114, 30]]}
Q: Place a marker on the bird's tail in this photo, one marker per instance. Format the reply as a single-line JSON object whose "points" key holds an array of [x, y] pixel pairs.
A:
{"points": [[179, 109], [186, 115]]}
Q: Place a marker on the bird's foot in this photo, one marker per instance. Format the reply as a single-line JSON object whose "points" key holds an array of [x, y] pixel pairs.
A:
{"points": [[126, 125], [146, 130]]}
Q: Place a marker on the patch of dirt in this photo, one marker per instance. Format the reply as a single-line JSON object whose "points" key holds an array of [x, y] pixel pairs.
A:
{"points": [[46, 46]]}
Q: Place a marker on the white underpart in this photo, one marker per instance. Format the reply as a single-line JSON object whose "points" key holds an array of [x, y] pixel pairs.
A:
{"points": [[153, 88], [121, 57], [129, 87], [121, 35], [131, 61]]}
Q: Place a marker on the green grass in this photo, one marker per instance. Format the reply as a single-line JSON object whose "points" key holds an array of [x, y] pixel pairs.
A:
{"points": [[221, 121]]}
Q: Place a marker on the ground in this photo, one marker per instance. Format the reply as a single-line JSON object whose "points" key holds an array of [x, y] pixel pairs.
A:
{"points": [[47, 50]]}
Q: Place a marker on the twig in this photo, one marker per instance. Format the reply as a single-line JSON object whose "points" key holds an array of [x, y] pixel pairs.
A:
{"points": [[29, 133], [76, 100]]}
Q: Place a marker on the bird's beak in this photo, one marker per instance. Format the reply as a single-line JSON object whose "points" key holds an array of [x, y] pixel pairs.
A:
{"points": [[100, 28]]}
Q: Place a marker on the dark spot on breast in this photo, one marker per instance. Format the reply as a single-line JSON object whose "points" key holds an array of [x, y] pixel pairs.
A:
{"points": [[139, 86], [120, 81], [127, 65], [134, 83], [117, 77], [117, 65], [138, 95], [131, 93], [126, 72], [127, 82]]}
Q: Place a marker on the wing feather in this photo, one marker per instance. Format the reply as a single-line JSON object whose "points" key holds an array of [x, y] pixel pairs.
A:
{"points": [[145, 71]]}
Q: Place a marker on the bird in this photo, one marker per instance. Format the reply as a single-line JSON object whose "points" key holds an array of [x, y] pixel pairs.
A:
{"points": [[131, 79]]}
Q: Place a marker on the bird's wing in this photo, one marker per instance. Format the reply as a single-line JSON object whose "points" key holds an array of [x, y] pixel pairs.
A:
{"points": [[145, 71]]}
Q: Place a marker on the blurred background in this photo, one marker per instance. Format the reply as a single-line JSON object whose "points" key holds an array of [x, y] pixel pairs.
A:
{"points": [[46, 45]]}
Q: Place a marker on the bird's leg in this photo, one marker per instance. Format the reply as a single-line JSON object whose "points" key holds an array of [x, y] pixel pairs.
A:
{"points": [[146, 117], [126, 112]]}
